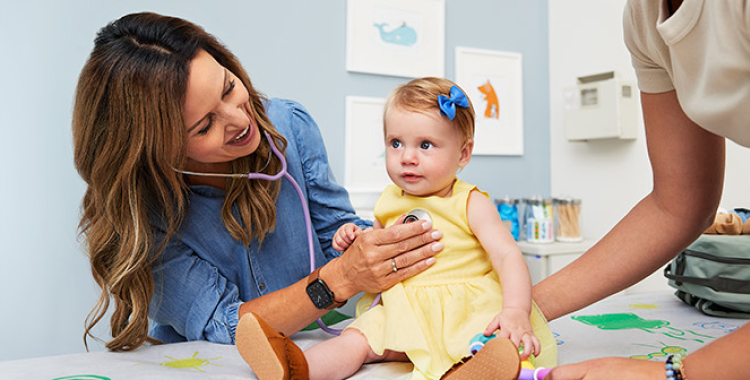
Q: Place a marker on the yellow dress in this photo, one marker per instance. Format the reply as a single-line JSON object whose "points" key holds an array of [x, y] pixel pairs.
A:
{"points": [[433, 315]]}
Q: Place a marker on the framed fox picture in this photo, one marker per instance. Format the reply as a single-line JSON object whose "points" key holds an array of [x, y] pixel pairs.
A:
{"points": [[493, 80]]}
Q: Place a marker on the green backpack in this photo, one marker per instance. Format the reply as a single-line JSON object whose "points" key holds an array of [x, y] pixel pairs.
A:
{"points": [[713, 275]]}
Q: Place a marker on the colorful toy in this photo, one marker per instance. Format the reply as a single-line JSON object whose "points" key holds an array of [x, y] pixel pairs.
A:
{"points": [[528, 366]]}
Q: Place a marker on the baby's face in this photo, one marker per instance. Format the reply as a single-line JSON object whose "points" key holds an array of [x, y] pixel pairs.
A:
{"points": [[423, 152]]}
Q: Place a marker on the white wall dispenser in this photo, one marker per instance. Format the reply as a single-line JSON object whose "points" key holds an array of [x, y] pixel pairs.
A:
{"points": [[601, 106]]}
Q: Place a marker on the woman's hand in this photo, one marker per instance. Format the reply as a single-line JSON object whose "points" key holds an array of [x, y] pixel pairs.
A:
{"points": [[368, 264], [515, 325], [609, 368]]}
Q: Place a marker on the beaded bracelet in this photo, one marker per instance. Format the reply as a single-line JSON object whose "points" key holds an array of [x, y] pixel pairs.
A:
{"points": [[674, 367]]}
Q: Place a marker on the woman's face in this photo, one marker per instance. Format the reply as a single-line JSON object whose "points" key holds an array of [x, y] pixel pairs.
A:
{"points": [[220, 127]]}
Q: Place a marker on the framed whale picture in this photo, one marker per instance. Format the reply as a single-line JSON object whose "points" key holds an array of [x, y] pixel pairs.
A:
{"points": [[396, 37], [493, 80]]}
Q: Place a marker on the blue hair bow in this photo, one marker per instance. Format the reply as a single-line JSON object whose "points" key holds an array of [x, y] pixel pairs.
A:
{"points": [[448, 105]]}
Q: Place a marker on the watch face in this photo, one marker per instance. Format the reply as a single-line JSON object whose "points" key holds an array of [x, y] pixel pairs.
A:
{"points": [[319, 295]]}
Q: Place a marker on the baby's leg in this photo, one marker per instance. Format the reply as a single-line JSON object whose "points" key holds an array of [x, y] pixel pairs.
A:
{"points": [[342, 356]]}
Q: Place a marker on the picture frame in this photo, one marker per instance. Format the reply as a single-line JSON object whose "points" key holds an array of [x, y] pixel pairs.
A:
{"points": [[364, 153], [493, 80], [396, 37]]}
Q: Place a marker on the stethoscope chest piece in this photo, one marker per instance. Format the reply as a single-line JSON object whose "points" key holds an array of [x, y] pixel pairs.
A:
{"points": [[417, 214]]}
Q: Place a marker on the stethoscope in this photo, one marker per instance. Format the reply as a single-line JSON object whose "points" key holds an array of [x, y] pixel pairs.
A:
{"points": [[268, 177], [414, 215]]}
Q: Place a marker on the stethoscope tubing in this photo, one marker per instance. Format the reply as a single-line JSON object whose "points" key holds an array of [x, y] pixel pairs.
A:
{"points": [[305, 209]]}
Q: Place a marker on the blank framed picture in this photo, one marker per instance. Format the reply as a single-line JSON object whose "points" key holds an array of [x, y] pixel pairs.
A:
{"points": [[365, 147]]}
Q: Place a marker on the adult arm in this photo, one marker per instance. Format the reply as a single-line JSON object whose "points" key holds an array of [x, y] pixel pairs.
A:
{"points": [[726, 359], [688, 176], [364, 267], [194, 299]]}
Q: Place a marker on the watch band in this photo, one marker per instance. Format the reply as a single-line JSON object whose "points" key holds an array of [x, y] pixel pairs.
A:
{"points": [[315, 276]]}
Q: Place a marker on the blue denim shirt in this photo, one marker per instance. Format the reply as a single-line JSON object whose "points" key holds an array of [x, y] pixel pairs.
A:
{"points": [[205, 274]]}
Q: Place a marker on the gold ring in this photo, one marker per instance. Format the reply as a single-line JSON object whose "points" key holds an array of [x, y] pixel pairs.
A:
{"points": [[393, 264]]}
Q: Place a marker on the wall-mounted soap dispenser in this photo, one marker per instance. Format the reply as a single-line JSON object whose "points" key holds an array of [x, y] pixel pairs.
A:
{"points": [[601, 106]]}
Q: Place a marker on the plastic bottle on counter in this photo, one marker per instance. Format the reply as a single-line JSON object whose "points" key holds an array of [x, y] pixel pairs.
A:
{"points": [[508, 209]]}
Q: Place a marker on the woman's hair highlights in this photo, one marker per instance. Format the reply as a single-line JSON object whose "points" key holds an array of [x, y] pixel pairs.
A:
{"points": [[128, 136]]}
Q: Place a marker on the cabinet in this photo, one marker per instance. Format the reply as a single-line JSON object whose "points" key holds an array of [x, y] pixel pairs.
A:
{"points": [[545, 259]]}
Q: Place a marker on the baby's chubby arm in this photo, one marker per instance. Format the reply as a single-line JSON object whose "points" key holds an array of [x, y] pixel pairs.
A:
{"points": [[513, 321]]}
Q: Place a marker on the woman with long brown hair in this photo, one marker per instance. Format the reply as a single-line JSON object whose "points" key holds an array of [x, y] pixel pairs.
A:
{"points": [[159, 97]]}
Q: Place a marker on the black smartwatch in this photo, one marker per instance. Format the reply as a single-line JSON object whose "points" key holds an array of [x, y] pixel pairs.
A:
{"points": [[320, 295]]}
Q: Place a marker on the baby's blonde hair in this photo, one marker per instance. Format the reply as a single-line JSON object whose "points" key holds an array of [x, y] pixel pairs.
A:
{"points": [[421, 95]]}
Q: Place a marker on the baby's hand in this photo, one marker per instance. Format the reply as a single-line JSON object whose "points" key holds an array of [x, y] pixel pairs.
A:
{"points": [[345, 236], [515, 325]]}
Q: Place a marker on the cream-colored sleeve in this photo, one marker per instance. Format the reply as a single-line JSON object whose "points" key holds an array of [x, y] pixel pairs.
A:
{"points": [[644, 42]]}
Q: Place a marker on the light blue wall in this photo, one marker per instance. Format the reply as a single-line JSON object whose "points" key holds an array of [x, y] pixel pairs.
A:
{"points": [[291, 49]]}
